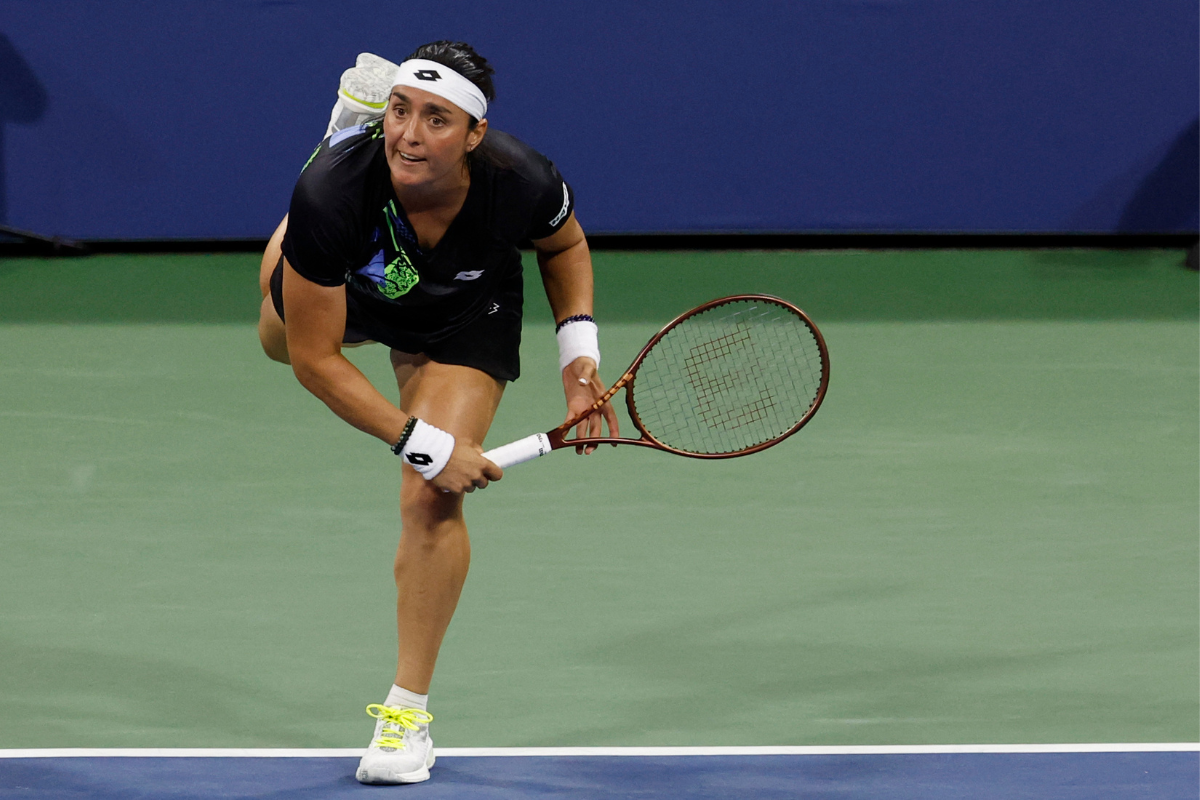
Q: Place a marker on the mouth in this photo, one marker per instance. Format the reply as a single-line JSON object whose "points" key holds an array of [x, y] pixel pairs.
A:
{"points": [[409, 159]]}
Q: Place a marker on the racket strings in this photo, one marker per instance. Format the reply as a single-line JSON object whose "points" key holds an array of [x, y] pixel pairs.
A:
{"points": [[730, 378], [711, 385]]}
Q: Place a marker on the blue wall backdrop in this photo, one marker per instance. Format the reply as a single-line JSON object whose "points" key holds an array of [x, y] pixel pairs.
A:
{"points": [[127, 119]]}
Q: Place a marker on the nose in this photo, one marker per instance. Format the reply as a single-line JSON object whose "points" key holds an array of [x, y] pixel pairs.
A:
{"points": [[408, 130]]}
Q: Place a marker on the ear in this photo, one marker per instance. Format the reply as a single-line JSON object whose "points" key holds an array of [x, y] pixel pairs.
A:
{"points": [[475, 136]]}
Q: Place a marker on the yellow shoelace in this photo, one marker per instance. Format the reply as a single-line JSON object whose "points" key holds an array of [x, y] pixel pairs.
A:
{"points": [[377, 106], [410, 718]]}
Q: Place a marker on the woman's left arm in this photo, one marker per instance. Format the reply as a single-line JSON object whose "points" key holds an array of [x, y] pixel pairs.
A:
{"points": [[566, 266]]}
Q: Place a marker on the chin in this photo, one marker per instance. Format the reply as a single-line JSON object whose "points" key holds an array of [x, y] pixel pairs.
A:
{"points": [[409, 176]]}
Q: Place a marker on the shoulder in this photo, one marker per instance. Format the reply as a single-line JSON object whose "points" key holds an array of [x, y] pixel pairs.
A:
{"points": [[340, 166], [332, 204], [537, 199], [513, 159]]}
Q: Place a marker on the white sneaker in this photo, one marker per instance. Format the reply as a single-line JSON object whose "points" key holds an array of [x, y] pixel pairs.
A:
{"points": [[377, 64], [401, 751], [362, 93]]}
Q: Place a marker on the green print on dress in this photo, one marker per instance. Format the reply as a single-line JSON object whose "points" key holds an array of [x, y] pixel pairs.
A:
{"points": [[398, 276], [310, 158]]}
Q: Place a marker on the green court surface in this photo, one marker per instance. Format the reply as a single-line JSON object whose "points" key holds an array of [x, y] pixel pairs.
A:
{"points": [[988, 534]]}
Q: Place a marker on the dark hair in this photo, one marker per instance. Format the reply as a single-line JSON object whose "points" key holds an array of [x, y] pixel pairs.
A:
{"points": [[462, 58]]}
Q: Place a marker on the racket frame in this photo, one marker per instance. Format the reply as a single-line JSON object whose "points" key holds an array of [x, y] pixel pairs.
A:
{"points": [[557, 436]]}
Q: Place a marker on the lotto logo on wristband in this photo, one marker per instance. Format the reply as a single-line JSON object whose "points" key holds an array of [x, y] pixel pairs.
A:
{"points": [[426, 449]]}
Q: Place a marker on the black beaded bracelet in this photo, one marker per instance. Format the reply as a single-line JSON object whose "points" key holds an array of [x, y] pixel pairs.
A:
{"points": [[398, 447], [574, 318]]}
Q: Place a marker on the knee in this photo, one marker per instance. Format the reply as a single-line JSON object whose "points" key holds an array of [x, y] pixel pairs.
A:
{"points": [[274, 352], [426, 512], [431, 526]]}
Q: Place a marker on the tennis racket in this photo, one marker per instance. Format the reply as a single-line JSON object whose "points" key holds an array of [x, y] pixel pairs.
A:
{"points": [[728, 378]]}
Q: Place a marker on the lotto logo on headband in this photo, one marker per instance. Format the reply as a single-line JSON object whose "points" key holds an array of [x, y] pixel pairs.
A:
{"points": [[437, 78]]}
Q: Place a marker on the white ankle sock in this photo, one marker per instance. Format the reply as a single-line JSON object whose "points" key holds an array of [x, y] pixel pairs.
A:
{"points": [[402, 698]]}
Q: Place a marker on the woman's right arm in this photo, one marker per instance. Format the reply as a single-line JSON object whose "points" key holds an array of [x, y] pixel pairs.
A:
{"points": [[316, 321]]}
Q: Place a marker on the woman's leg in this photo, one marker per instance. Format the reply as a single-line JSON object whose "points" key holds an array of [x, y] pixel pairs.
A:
{"points": [[271, 257], [271, 333], [434, 553]]}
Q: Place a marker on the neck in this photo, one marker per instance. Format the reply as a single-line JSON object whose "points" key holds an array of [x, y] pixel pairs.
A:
{"points": [[446, 191]]}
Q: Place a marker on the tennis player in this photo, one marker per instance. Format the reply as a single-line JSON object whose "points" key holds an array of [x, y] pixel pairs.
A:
{"points": [[404, 230]]}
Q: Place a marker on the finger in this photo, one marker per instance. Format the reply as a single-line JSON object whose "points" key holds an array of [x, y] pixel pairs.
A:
{"points": [[610, 416], [571, 412], [598, 390], [492, 472], [594, 430]]}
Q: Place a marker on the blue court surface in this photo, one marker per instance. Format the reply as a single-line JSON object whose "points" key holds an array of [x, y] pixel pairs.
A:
{"points": [[1154, 772]]}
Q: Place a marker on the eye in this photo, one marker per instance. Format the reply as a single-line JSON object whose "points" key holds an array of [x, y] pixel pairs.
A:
{"points": [[437, 122]]}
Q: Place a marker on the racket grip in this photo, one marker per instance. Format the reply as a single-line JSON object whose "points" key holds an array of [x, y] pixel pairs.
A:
{"points": [[520, 451]]}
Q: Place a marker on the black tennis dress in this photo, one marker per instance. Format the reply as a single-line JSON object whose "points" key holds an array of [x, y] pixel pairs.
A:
{"points": [[459, 302]]}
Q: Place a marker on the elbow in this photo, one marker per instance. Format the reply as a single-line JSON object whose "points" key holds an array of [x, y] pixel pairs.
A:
{"points": [[310, 374]]}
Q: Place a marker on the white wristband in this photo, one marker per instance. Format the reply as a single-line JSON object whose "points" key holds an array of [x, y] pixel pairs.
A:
{"points": [[428, 449], [576, 339]]}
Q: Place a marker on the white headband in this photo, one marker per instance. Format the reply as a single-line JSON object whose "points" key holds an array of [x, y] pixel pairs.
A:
{"points": [[444, 82]]}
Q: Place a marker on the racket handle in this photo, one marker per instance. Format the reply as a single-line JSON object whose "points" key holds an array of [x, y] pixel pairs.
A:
{"points": [[520, 451]]}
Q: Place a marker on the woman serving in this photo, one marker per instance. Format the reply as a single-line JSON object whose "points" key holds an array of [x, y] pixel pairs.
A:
{"points": [[405, 231]]}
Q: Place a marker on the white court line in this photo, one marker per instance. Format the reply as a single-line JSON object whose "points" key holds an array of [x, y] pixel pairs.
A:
{"points": [[569, 752]]}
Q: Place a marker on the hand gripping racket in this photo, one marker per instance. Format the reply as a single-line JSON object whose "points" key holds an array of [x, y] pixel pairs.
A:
{"points": [[729, 378]]}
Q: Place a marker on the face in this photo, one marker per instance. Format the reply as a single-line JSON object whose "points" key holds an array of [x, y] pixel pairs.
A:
{"points": [[427, 138]]}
